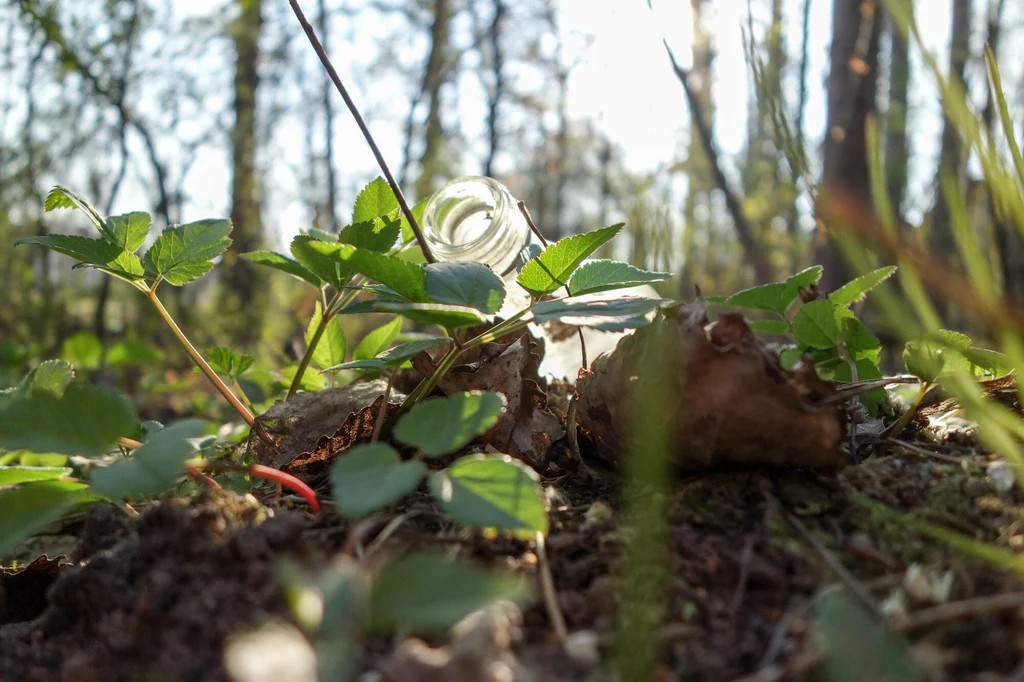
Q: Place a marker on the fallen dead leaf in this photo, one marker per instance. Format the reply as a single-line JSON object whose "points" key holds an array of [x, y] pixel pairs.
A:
{"points": [[736, 403]]}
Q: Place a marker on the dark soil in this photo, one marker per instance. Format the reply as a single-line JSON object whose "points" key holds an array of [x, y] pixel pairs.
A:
{"points": [[155, 597]]}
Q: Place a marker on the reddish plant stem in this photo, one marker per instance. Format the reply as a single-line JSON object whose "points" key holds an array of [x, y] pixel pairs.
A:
{"points": [[268, 473]]}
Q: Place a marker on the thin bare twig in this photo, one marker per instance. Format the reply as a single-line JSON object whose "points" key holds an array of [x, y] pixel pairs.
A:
{"points": [[379, 426], [536, 231], [547, 590], [961, 610], [336, 79]]}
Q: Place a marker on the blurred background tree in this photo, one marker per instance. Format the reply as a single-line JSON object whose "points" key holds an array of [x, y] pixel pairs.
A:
{"points": [[191, 110]]}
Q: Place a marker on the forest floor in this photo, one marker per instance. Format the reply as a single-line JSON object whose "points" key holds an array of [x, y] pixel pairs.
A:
{"points": [[752, 552]]}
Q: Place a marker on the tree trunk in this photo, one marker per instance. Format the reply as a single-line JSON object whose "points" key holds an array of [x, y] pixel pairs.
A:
{"points": [[851, 98], [435, 76], [239, 276], [330, 202], [951, 154], [896, 120], [498, 87]]}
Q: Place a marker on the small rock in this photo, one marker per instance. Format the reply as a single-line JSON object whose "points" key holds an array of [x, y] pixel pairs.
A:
{"points": [[583, 647], [1001, 477]]}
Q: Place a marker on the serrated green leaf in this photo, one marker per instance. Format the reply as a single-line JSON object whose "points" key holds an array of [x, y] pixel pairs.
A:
{"points": [[441, 314], [279, 261], [27, 509], [95, 253], [768, 326], [556, 264], [467, 284], [818, 324], [604, 275], [439, 426], [855, 289], [62, 197], [377, 340], [492, 491], [52, 376], [183, 253], [15, 475], [403, 277], [376, 234], [778, 296], [396, 355], [375, 200], [417, 212], [83, 350], [312, 254], [331, 347], [606, 314], [223, 360], [154, 467], [85, 420], [129, 231], [322, 235], [939, 353], [988, 362], [424, 593], [371, 364], [311, 381], [371, 476]]}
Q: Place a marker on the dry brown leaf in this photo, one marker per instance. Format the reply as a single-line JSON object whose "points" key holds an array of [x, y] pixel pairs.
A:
{"points": [[528, 427], [736, 403], [358, 428]]}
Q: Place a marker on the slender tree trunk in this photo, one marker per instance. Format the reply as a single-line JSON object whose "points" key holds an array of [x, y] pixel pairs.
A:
{"points": [[246, 234], [498, 87], [330, 203], [801, 99], [951, 154], [435, 77], [896, 120], [851, 98]]}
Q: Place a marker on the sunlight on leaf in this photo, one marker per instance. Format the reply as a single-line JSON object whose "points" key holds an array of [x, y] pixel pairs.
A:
{"points": [[556, 264], [439, 426], [371, 476], [183, 253]]}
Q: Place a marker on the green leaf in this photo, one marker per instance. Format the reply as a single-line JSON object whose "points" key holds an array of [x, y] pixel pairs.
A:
{"points": [[313, 255], [33, 459], [62, 197], [492, 491], [223, 360], [553, 268], [377, 340], [28, 509], [988, 362], [818, 324], [606, 314], [423, 593], [52, 376], [331, 348], [129, 231], [371, 364], [85, 420], [768, 326], [408, 236], [370, 477], [16, 475], [425, 313], [130, 353], [154, 467], [394, 357], [776, 297], [311, 381], [405, 278], [279, 261], [92, 253], [603, 275], [855, 290], [439, 426], [375, 200], [866, 369], [938, 353], [467, 284], [859, 647], [376, 234], [83, 350], [183, 253]]}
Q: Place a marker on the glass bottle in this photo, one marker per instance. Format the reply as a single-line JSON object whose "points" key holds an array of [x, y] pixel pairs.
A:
{"points": [[474, 218]]}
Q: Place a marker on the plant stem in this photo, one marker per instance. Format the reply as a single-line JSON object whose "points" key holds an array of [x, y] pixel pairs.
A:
{"points": [[898, 427], [265, 472], [241, 394], [339, 301], [325, 60], [200, 362]]}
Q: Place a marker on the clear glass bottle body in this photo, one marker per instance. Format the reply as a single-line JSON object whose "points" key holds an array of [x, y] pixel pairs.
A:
{"points": [[474, 218]]}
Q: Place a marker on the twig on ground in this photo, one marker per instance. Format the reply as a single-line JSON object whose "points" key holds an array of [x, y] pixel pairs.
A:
{"points": [[547, 591], [383, 413], [960, 610], [741, 585], [385, 533]]}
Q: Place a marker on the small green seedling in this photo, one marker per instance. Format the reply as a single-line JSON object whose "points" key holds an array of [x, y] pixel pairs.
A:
{"points": [[488, 491]]}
